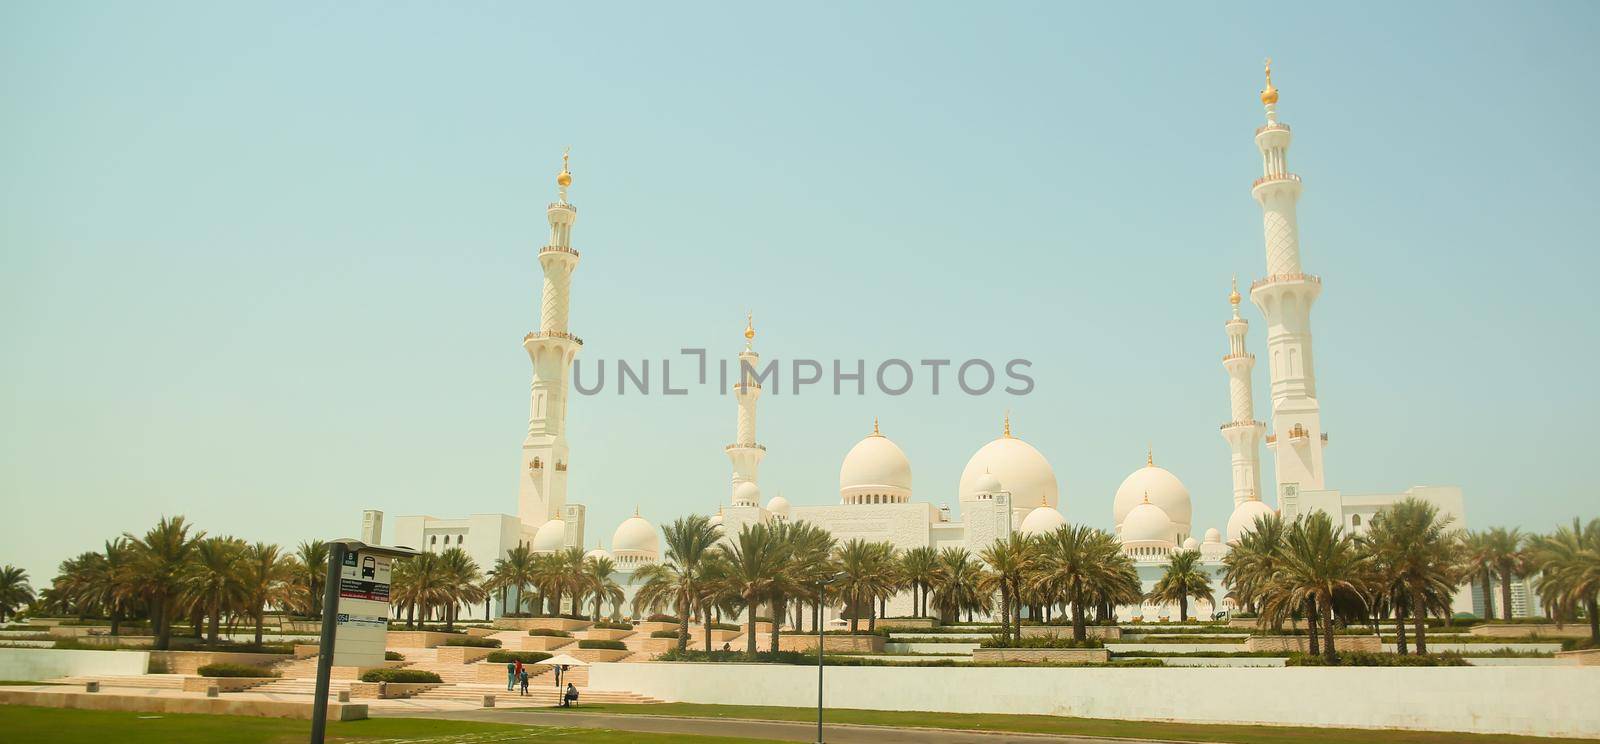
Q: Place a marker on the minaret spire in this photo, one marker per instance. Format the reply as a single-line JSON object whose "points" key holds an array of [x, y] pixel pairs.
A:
{"points": [[746, 453], [1242, 432], [1285, 297], [543, 490]]}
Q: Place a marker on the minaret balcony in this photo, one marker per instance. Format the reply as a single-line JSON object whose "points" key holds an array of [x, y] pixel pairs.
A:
{"points": [[1285, 279], [1231, 425], [1237, 357], [540, 335], [557, 249], [1275, 178], [1273, 127], [744, 445], [562, 205]]}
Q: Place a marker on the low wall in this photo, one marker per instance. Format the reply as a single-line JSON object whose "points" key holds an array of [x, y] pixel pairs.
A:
{"points": [[306, 650], [542, 643], [463, 654], [648, 627], [917, 647], [189, 662], [301, 626], [1519, 630], [476, 632], [388, 690], [224, 684], [594, 655], [858, 643], [529, 623], [604, 634], [1037, 655], [117, 640], [1104, 632], [1537, 701], [1587, 657], [908, 622], [50, 663], [165, 704], [1302, 644], [417, 638]]}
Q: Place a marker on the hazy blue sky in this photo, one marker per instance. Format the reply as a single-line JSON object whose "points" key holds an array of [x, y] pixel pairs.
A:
{"points": [[268, 265]]}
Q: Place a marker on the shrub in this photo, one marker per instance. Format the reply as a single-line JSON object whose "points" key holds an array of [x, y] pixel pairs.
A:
{"points": [[518, 614], [235, 670], [996, 641], [400, 675], [664, 634], [157, 666], [662, 618], [393, 656], [725, 626], [526, 657], [472, 641], [1577, 644], [552, 632], [611, 645], [1369, 659], [761, 619], [613, 625]]}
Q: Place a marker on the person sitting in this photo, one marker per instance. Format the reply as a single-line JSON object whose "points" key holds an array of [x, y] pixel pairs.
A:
{"points": [[570, 698]]}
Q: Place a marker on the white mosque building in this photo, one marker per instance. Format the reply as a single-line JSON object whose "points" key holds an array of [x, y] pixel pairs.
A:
{"points": [[1007, 486]]}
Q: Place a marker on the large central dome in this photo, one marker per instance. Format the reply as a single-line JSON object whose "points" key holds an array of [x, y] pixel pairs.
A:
{"points": [[875, 471], [1016, 464]]}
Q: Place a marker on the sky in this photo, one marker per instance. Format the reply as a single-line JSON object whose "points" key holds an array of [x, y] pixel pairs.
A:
{"points": [[267, 265]]}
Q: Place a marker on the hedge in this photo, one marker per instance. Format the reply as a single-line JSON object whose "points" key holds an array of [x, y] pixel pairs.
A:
{"points": [[611, 625], [1046, 642], [661, 618], [235, 670], [400, 675], [726, 626], [552, 632], [472, 641], [1369, 659], [664, 634], [393, 656], [612, 645], [526, 657]]}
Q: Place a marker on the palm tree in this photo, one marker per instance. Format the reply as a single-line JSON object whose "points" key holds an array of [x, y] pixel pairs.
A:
{"points": [[1507, 555], [916, 567], [214, 582], [1477, 561], [956, 585], [14, 591], [1320, 568], [1182, 578], [268, 580], [313, 556], [160, 559], [862, 577], [1080, 566], [811, 568], [1421, 555], [459, 586], [680, 580], [1570, 578], [515, 571], [1010, 562], [598, 581], [756, 559], [1249, 566], [550, 578]]}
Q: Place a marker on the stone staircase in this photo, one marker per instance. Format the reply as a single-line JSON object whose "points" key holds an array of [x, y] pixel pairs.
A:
{"points": [[143, 681], [301, 686]]}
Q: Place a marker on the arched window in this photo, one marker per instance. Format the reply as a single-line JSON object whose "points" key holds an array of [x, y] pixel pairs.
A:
{"points": [[433, 540], [1355, 520]]}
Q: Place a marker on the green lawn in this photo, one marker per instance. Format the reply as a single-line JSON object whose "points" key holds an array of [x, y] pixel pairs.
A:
{"points": [[1066, 726], [59, 726]]}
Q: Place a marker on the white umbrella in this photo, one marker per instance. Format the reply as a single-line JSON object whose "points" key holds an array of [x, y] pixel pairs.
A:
{"points": [[560, 659]]}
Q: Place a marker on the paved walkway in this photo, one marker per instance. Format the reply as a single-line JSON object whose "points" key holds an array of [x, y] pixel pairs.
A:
{"points": [[775, 730]]}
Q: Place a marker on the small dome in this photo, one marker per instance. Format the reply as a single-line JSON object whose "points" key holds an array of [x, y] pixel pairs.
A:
{"points": [[552, 536], [1165, 491], [716, 520], [747, 493], [1043, 520], [1244, 518], [875, 465], [1015, 463], [637, 535], [1147, 522], [779, 506], [1213, 536], [1190, 543], [987, 483], [598, 552]]}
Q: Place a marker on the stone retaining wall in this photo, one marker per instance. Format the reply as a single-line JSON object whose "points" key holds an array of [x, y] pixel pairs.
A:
{"points": [[529, 623], [593, 655], [832, 643], [908, 622], [542, 643], [417, 638], [1586, 657], [224, 684], [189, 662], [463, 654], [1302, 644], [1103, 632], [168, 704], [1034, 655], [603, 634], [649, 627], [1519, 630], [389, 690]]}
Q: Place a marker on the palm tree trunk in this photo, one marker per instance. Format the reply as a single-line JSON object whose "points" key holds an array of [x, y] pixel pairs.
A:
{"points": [[158, 618], [1311, 627], [1506, 577], [261, 619], [212, 628], [1594, 620], [116, 620], [750, 631], [1078, 631], [1327, 640], [1488, 596], [1420, 612], [683, 631], [1183, 608], [778, 605], [1400, 625]]}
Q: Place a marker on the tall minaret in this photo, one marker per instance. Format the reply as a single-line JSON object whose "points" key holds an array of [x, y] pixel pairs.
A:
{"points": [[745, 453], [544, 453], [1242, 432], [1285, 296]]}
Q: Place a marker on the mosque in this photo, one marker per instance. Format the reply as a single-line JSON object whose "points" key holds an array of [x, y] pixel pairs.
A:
{"points": [[1007, 486]]}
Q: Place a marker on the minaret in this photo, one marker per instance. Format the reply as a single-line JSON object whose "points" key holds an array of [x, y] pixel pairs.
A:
{"points": [[1242, 432], [1285, 297], [745, 452], [552, 348]]}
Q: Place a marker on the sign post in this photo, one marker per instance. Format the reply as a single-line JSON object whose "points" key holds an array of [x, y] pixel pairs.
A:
{"points": [[355, 615]]}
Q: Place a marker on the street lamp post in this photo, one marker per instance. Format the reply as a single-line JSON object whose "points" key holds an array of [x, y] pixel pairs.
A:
{"points": [[822, 592]]}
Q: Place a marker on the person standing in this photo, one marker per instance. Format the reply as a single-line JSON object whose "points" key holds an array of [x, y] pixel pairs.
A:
{"points": [[511, 676], [524, 681]]}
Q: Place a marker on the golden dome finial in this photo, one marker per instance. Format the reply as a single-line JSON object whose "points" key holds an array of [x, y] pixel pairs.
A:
{"points": [[875, 431], [1007, 432], [635, 510], [564, 178], [1270, 95], [1233, 297], [1147, 496], [1149, 455], [749, 326]]}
